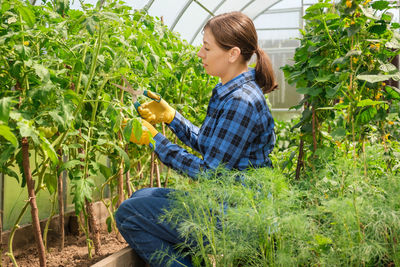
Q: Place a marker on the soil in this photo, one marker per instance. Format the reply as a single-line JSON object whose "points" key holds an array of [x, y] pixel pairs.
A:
{"points": [[75, 252]]}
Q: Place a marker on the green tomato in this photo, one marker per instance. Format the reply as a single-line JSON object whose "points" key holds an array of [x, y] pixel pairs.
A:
{"points": [[48, 132]]}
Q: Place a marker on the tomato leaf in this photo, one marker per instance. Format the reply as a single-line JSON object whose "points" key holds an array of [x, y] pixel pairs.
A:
{"points": [[5, 106], [49, 149], [42, 72], [27, 15], [50, 180], [8, 135], [125, 156], [6, 154], [127, 132], [104, 170], [137, 128], [71, 164], [81, 191]]}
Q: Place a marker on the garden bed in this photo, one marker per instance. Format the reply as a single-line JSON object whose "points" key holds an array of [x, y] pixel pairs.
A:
{"points": [[75, 252]]}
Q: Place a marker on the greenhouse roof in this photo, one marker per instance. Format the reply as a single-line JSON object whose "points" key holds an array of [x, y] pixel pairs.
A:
{"points": [[274, 19]]}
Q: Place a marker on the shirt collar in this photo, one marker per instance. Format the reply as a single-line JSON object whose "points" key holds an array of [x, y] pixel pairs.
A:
{"points": [[222, 90]]}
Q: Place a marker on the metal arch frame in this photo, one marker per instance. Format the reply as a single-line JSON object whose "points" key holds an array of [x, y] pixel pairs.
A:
{"points": [[210, 15], [205, 21], [148, 5], [189, 2], [270, 6], [180, 14], [243, 8]]}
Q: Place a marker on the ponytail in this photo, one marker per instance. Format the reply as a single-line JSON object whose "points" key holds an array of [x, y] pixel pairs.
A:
{"points": [[265, 76]]}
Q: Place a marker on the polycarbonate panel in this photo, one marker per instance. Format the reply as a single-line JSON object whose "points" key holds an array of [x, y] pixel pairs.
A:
{"points": [[277, 34], [198, 40], [287, 4], [231, 5], [169, 10], [190, 20], [138, 4], [259, 6], [275, 20], [210, 4]]}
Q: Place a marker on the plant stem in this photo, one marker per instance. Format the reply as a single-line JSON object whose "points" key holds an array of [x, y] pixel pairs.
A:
{"points": [[52, 213], [358, 219], [81, 101], [157, 169], [181, 87], [1, 239], [32, 199], [60, 190], [109, 205], [152, 169], [120, 182], [314, 129], [84, 226], [78, 84], [300, 162], [21, 214], [93, 227], [127, 179], [365, 158]]}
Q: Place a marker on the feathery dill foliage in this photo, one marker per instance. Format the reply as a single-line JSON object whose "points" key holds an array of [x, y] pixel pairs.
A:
{"points": [[335, 216]]}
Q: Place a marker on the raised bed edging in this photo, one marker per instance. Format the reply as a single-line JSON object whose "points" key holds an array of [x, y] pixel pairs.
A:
{"points": [[126, 257]]}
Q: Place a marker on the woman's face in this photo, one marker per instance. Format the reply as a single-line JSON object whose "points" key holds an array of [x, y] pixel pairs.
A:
{"points": [[214, 58]]}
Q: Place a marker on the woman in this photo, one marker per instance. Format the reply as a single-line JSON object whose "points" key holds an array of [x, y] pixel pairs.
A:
{"points": [[238, 131]]}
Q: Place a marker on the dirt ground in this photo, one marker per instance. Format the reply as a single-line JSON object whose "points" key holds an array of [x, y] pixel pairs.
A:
{"points": [[75, 252]]}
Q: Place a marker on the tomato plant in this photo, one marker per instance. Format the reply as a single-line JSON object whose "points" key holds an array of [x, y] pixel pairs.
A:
{"points": [[57, 66]]}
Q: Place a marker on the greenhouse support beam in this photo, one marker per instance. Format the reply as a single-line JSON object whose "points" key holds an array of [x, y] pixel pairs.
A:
{"points": [[203, 7], [148, 5], [180, 14], [279, 11], [301, 21], [205, 21], [266, 9], [278, 29], [246, 5], [1, 201]]}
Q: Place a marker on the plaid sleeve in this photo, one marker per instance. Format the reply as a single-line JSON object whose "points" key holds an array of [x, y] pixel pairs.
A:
{"points": [[232, 133], [177, 157], [185, 131]]}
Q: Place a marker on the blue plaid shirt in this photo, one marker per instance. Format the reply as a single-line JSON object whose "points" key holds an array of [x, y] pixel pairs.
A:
{"points": [[237, 132]]}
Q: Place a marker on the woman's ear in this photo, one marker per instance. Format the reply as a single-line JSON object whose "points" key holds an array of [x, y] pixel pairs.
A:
{"points": [[234, 54]]}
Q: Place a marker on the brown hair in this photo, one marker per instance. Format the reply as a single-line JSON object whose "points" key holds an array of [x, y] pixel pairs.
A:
{"points": [[235, 29]]}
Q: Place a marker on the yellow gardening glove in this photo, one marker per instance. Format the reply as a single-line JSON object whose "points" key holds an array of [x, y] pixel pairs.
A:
{"points": [[156, 111], [147, 130]]}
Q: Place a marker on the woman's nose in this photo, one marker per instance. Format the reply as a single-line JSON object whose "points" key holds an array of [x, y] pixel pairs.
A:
{"points": [[200, 54]]}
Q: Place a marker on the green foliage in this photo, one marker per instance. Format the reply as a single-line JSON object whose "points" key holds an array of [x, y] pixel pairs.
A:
{"points": [[81, 191], [342, 67], [335, 216], [57, 67]]}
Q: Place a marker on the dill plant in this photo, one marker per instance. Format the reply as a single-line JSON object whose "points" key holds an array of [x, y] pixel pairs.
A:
{"points": [[236, 219], [334, 216], [357, 214]]}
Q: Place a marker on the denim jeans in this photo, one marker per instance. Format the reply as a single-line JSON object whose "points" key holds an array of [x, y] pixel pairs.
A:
{"points": [[138, 222]]}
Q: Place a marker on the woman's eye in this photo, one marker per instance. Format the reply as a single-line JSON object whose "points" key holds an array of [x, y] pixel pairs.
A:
{"points": [[207, 49]]}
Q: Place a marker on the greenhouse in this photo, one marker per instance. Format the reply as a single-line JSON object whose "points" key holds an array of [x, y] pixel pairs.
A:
{"points": [[199, 133]]}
